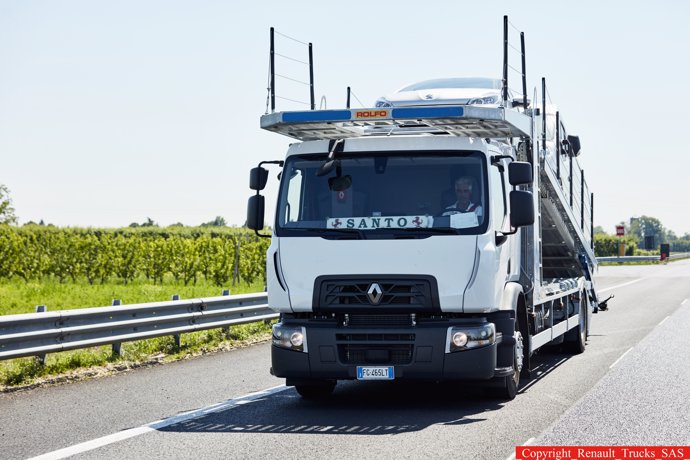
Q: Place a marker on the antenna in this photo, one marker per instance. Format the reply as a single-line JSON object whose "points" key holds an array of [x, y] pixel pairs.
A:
{"points": [[505, 59], [311, 77], [273, 71]]}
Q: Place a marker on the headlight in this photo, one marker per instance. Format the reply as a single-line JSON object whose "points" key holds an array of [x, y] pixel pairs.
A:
{"points": [[290, 337], [461, 338], [484, 100]]}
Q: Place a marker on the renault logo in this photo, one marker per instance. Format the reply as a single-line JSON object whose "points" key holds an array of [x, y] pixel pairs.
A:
{"points": [[375, 293]]}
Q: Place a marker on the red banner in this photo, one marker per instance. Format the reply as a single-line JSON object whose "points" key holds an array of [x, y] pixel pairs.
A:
{"points": [[599, 452]]}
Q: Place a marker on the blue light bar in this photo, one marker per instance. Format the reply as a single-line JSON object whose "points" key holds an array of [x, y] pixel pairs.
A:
{"points": [[427, 112], [403, 113], [317, 115]]}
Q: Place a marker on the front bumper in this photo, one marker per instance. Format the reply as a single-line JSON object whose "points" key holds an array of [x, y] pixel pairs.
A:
{"points": [[417, 352]]}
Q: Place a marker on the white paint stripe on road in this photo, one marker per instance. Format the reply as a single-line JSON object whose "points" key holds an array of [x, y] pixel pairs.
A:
{"points": [[526, 443], [621, 357], [662, 321], [684, 302], [621, 285], [158, 424]]}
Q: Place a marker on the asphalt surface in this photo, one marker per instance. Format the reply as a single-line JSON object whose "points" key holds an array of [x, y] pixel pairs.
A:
{"points": [[628, 388]]}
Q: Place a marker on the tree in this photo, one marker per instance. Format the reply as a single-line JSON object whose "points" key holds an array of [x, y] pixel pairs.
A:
{"points": [[647, 226], [219, 221], [148, 223], [6, 210]]}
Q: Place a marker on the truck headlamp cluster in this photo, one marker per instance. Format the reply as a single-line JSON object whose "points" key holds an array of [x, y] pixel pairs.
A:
{"points": [[461, 338], [290, 337]]}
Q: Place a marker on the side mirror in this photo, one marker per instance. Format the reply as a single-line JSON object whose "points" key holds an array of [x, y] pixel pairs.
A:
{"points": [[340, 183], [521, 209], [520, 173], [574, 142], [257, 178], [255, 212]]}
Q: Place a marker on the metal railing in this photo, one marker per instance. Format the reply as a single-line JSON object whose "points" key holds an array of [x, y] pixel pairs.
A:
{"points": [[35, 334], [623, 259]]}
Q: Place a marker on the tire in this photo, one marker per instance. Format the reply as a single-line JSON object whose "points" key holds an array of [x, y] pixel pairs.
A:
{"points": [[576, 339], [316, 390], [507, 390]]}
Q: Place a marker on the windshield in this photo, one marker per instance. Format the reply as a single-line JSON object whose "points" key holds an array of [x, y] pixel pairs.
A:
{"points": [[444, 83], [391, 194]]}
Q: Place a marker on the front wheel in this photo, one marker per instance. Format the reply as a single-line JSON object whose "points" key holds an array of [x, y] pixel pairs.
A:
{"points": [[508, 389]]}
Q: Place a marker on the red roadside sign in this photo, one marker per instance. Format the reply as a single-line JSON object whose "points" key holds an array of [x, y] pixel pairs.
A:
{"points": [[620, 230]]}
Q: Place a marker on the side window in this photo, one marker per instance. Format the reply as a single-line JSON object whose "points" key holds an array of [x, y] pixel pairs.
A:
{"points": [[498, 201], [294, 196]]}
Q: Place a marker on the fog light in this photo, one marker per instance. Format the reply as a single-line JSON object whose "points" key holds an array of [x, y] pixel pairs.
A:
{"points": [[468, 336], [290, 337], [459, 339], [297, 339]]}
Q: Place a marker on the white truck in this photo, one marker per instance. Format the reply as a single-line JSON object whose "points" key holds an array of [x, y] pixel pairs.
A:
{"points": [[379, 267]]}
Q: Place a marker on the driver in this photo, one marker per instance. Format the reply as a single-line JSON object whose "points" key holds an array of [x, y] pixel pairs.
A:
{"points": [[464, 188]]}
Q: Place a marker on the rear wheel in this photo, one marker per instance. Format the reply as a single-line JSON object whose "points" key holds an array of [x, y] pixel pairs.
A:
{"points": [[576, 339], [316, 390]]}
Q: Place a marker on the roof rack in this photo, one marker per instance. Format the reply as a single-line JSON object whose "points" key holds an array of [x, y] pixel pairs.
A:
{"points": [[457, 120]]}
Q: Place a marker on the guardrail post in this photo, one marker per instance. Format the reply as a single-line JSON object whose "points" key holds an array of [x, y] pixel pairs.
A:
{"points": [[42, 357], [226, 329], [117, 346], [177, 337]]}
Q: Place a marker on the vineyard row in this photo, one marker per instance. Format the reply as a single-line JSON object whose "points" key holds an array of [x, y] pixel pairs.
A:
{"points": [[217, 254]]}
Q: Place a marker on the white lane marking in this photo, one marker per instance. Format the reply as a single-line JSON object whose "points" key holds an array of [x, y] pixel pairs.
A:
{"points": [[621, 357], [684, 302], [662, 321], [526, 443], [621, 285], [158, 424]]}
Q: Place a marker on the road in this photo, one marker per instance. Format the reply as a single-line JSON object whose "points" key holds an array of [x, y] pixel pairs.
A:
{"points": [[628, 388]]}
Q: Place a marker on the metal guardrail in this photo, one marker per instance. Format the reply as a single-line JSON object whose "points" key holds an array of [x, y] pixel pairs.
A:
{"points": [[35, 334], [677, 255]]}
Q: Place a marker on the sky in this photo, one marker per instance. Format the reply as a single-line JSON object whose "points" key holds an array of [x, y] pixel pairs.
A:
{"points": [[115, 112]]}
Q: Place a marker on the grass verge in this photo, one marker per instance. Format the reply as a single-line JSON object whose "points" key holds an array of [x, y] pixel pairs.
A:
{"points": [[17, 296]]}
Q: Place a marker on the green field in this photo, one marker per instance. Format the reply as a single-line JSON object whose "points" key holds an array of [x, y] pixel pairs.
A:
{"points": [[18, 296]]}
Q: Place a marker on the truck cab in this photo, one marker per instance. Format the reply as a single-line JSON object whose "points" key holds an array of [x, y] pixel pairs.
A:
{"points": [[397, 257]]}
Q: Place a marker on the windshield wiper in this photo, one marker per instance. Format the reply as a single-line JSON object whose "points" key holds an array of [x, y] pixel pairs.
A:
{"points": [[324, 232], [437, 230]]}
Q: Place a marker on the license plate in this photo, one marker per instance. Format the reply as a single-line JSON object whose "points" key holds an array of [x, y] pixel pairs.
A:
{"points": [[375, 373]]}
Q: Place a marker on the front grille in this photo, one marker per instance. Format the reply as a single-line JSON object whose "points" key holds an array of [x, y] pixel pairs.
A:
{"points": [[362, 354], [380, 320], [375, 348], [393, 294], [386, 337]]}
